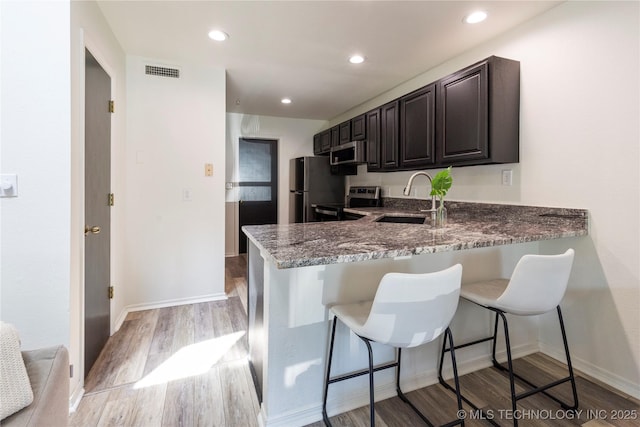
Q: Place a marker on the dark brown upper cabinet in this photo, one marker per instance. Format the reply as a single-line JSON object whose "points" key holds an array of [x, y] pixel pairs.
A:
{"points": [[317, 144], [325, 140], [417, 128], [478, 112], [373, 140], [345, 132], [471, 117], [359, 128], [335, 136], [389, 135]]}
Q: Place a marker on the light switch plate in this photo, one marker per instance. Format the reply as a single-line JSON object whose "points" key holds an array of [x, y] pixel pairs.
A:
{"points": [[208, 169], [507, 177], [9, 185]]}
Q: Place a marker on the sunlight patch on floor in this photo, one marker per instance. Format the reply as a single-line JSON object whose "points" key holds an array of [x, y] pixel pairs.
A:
{"points": [[191, 360]]}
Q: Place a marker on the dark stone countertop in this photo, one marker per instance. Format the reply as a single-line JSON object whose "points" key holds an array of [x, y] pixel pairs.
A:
{"points": [[469, 225]]}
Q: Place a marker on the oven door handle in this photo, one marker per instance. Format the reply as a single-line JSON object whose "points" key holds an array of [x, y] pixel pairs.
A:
{"points": [[326, 212]]}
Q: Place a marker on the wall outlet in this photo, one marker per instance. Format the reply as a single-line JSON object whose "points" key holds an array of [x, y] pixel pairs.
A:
{"points": [[8, 185], [208, 169], [507, 177], [186, 195]]}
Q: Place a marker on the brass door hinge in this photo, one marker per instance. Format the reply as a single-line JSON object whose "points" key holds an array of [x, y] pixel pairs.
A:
{"points": [[111, 199], [112, 106], [110, 292]]}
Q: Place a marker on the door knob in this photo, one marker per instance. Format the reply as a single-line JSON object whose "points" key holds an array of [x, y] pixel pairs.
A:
{"points": [[93, 230]]}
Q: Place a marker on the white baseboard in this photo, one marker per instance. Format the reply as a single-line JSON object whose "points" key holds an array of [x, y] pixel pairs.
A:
{"points": [[167, 303], [74, 400], [607, 377], [313, 413]]}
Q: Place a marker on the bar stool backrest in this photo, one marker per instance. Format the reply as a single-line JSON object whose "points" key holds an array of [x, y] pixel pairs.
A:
{"points": [[413, 309], [537, 284]]}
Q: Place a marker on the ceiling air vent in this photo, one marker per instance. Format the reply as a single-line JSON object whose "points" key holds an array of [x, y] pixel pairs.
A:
{"points": [[154, 70]]}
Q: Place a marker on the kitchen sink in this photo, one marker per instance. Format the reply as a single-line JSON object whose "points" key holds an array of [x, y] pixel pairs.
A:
{"points": [[402, 219]]}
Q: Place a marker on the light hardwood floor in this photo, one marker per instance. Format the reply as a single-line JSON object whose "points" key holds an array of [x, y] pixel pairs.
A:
{"points": [[186, 366]]}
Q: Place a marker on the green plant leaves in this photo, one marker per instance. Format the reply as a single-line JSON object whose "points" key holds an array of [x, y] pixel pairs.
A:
{"points": [[441, 183]]}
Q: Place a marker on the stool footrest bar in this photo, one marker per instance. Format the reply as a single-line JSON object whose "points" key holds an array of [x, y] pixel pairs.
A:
{"points": [[468, 344], [359, 373]]}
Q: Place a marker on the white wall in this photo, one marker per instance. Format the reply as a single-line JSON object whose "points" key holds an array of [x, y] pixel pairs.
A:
{"points": [[579, 147], [89, 29], [295, 139], [35, 135], [174, 251]]}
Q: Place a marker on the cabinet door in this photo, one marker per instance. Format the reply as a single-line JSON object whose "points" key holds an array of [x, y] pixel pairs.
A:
{"points": [[389, 119], [317, 144], [345, 132], [463, 110], [373, 140], [325, 140], [417, 128], [359, 128], [335, 136]]}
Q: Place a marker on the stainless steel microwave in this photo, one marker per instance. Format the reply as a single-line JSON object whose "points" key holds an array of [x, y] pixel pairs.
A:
{"points": [[351, 153]]}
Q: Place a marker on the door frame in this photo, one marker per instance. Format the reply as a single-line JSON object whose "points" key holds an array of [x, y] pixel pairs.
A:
{"points": [[236, 178], [86, 42]]}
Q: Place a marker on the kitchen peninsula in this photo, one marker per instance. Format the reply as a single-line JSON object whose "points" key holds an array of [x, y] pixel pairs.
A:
{"points": [[297, 270]]}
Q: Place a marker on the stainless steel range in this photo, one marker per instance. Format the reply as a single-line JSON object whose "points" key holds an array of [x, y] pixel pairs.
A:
{"points": [[357, 197]]}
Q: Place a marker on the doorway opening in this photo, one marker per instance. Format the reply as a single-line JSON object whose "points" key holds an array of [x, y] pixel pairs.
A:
{"points": [[257, 184]]}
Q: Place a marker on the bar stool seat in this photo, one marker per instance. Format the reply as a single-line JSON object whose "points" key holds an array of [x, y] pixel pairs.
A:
{"points": [[537, 286], [408, 310]]}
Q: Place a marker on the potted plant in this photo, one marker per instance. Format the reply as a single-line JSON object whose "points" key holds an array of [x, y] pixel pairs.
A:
{"points": [[440, 184]]}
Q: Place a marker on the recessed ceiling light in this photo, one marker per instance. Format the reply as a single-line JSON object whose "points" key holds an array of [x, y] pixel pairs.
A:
{"points": [[356, 59], [475, 17], [285, 101], [218, 35]]}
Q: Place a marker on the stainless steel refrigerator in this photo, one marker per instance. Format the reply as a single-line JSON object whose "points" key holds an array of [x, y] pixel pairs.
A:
{"points": [[310, 183]]}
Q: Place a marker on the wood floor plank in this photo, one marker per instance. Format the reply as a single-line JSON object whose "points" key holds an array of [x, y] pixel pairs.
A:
{"points": [[89, 411], [179, 403], [360, 418], [203, 323], [132, 367], [208, 399], [184, 329], [394, 417], [238, 409], [111, 359], [149, 406], [118, 408], [162, 341]]}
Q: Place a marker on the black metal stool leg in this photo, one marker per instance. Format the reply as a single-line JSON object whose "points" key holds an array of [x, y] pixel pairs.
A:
{"points": [[495, 340], [512, 381], [571, 376], [372, 412], [328, 374], [456, 380]]}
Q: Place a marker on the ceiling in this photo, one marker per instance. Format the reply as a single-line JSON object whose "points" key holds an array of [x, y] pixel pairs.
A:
{"points": [[300, 49]]}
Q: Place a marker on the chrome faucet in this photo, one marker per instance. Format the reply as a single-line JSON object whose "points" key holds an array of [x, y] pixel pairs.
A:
{"points": [[407, 192]]}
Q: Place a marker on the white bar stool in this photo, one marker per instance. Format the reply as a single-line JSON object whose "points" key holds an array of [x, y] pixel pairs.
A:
{"points": [[537, 286], [408, 310]]}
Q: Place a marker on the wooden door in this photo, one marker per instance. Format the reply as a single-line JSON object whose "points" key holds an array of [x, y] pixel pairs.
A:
{"points": [[97, 173]]}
